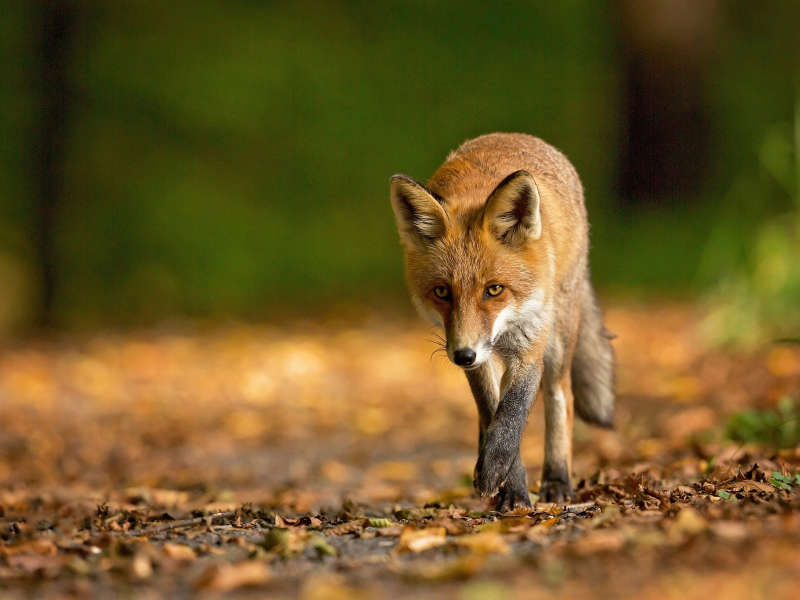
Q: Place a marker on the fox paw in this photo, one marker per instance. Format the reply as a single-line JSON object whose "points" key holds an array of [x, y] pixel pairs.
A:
{"points": [[492, 469], [510, 498], [555, 491]]}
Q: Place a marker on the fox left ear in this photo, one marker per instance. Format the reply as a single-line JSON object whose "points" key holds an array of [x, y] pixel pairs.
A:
{"points": [[512, 211]]}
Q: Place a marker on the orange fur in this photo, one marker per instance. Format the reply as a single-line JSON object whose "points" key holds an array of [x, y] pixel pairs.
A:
{"points": [[508, 210]]}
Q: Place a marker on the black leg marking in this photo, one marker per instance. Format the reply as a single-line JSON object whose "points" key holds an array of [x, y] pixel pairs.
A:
{"points": [[514, 492], [500, 450], [556, 486]]}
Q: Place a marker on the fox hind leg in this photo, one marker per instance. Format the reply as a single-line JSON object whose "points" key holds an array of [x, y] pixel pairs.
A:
{"points": [[559, 417]]}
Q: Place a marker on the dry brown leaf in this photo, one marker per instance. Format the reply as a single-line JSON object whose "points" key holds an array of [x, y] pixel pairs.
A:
{"points": [[304, 521], [521, 511], [452, 526], [549, 509], [755, 486], [350, 527], [419, 540], [453, 513]]}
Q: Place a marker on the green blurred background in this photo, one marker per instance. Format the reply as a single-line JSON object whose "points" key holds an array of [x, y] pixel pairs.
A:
{"points": [[231, 159]]}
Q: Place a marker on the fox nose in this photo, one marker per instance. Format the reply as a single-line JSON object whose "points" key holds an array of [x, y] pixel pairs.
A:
{"points": [[464, 357]]}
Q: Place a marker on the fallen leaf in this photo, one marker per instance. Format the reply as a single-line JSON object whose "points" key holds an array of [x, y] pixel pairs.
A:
{"points": [[419, 540], [452, 526], [344, 528], [755, 486], [377, 522], [549, 509], [304, 521]]}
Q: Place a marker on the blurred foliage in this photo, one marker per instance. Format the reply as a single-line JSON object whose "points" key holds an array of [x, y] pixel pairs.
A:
{"points": [[758, 294], [232, 158], [777, 428]]}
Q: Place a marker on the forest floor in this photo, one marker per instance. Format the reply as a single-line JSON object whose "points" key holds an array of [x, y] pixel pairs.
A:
{"points": [[331, 461]]}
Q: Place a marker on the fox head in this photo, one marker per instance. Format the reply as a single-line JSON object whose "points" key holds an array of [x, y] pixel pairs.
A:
{"points": [[471, 264]]}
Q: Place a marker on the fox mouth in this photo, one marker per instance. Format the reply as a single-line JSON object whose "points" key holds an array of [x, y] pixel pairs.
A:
{"points": [[469, 368]]}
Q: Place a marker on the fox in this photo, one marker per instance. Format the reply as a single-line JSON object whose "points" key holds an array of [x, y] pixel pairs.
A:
{"points": [[496, 248]]}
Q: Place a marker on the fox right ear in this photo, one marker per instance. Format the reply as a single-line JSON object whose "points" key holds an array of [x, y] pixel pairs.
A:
{"points": [[419, 213]]}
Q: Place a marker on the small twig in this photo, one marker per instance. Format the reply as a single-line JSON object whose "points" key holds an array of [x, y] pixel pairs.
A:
{"points": [[579, 508], [177, 524]]}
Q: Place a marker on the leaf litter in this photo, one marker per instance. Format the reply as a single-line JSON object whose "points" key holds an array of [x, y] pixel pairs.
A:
{"points": [[255, 458]]}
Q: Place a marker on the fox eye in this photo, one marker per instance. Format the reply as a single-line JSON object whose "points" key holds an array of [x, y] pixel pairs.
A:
{"points": [[441, 292], [494, 290]]}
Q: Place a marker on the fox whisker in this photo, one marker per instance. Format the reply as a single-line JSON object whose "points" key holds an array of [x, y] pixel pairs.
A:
{"points": [[436, 343]]}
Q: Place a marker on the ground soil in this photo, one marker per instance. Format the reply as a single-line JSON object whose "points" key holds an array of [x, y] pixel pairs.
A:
{"points": [[333, 461]]}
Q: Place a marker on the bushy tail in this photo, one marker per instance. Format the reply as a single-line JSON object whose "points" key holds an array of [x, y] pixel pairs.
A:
{"points": [[593, 364]]}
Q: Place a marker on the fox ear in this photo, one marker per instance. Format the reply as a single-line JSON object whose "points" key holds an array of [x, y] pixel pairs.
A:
{"points": [[420, 216], [512, 211]]}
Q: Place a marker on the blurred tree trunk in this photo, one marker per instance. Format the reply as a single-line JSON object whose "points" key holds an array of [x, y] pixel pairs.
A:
{"points": [[666, 49], [55, 22]]}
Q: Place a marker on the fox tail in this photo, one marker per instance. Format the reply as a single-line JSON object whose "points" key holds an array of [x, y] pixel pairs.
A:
{"points": [[593, 364]]}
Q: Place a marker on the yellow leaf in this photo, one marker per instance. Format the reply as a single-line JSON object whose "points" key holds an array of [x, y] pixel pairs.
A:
{"points": [[419, 540]]}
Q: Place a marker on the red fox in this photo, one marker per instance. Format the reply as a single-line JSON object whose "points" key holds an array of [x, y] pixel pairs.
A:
{"points": [[496, 252]]}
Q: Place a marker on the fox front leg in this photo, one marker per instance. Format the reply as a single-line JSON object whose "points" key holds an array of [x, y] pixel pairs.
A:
{"points": [[499, 455], [484, 383]]}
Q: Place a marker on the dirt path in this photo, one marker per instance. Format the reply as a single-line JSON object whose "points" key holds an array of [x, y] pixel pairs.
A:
{"points": [[340, 460]]}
